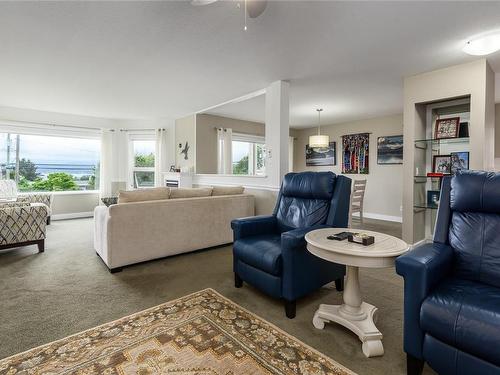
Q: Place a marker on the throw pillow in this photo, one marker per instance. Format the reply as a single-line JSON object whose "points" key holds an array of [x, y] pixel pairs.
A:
{"points": [[190, 193], [143, 195], [227, 190]]}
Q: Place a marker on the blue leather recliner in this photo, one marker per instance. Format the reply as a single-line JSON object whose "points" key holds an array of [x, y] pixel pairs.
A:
{"points": [[269, 252], [452, 286]]}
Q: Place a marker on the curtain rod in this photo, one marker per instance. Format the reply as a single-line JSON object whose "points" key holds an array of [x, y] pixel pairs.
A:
{"points": [[138, 129], [238, 132], [70, 127], [23, 123]]}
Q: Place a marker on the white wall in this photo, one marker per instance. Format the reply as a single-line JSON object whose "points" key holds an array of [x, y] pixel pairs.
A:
{"points": [[384, 189]]}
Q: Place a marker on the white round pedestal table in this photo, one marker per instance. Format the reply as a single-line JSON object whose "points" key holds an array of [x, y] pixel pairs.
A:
{"points": [[358, 316]]}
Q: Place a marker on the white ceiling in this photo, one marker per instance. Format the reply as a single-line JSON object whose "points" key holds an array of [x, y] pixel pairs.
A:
{"points": [[169, 59]]}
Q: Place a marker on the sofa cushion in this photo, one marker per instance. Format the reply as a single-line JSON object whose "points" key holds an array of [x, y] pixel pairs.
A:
{"points": [[466, 315], [190, 193], [262, 252], [227, 190], [143, 195]]}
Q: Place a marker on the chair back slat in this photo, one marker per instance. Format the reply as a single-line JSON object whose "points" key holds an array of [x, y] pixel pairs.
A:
{"points": [[357, 198]]}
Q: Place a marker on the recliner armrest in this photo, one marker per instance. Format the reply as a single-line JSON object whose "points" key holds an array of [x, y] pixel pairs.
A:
{"points": [[253, 226], [295, 239], [422, 268]]}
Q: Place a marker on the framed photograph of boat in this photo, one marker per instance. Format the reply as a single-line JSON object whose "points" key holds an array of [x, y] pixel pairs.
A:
{"points": [[322, 155], [390, 149]]}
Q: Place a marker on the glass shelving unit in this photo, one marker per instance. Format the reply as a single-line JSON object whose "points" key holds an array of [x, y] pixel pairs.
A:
{"points": [[426, 148]]}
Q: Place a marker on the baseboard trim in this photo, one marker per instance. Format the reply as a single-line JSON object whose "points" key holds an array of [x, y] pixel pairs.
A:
{"points": [[73, 215], [368, 215]]}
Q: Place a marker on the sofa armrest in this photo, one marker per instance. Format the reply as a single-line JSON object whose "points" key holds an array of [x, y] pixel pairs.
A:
{"points": [[422, 269], [253, 226]]}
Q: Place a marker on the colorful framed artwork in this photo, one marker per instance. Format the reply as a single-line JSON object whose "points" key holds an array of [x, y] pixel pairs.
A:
{"points": [[355, 153], [459, 160], [321, 155], [447, 128], [390, 149], [441, 164]]}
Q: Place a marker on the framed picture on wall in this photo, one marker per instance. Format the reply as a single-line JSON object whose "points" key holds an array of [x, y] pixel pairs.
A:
{"points": [[390, 149], [322, 155], [459, 160], [441, 164], [447, 128], [355, 153]]}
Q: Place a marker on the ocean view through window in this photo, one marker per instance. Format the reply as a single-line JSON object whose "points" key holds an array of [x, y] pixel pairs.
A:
{"points": [[50, 163]]}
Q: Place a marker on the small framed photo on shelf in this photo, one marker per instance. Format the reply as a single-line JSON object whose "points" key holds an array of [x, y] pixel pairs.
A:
{"points": [[447, 128], [433, 198], [441, 164], [459, 160]]}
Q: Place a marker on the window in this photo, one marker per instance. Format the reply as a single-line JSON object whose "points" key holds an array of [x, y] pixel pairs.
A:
{"points": [[248, 155], [143, 163], [50, 163]]}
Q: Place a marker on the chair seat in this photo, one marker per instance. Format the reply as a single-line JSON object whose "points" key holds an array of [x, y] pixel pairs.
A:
{"points": [[465, 314], [262, 252]]}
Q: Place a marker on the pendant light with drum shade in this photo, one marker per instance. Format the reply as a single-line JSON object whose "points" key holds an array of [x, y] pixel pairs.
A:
{"points": [[319, 141]]}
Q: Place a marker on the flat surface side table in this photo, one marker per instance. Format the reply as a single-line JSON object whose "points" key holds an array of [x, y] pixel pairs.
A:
{"points": [[358, 316]]}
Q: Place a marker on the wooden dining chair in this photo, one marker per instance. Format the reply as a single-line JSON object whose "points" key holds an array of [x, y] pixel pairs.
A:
{"points": [[357, 198]]}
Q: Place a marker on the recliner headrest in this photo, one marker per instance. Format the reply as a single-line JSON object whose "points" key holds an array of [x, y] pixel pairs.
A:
{"points": [[475, 191], [309, 185]]}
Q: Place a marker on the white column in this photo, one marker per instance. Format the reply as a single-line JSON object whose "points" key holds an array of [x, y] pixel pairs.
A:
{"points": [[277, 131]]}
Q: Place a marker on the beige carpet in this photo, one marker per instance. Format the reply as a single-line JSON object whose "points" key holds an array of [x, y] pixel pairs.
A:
{"points": [[67, 289], [202, 333]]}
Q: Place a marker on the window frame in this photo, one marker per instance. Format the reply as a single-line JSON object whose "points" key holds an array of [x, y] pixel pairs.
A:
{"points": [[60, 132], [140, 137], [254, 140]]}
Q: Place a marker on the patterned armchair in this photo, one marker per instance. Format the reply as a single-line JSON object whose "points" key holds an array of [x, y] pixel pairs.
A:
{"points": [[23, 224], [9, 193]]}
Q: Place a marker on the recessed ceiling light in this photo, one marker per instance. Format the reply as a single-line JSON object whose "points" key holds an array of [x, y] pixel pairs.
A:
{"points": [[483, 45]]}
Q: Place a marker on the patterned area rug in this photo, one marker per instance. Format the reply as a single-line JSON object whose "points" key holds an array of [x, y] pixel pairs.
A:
{"points": [[200, 334]]}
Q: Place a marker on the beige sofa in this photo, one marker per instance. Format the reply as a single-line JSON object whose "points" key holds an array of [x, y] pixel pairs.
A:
{"points": [[128, 233]]}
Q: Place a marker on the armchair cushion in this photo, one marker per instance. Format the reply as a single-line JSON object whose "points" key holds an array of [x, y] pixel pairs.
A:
{"points": [[474, 237], [253, 226], [475, 191], [464, 314], [262, 252], [305, 199]]}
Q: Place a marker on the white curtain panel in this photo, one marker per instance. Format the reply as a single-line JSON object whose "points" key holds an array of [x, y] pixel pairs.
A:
{"points": [[106, 164], [224, 151], [114, 162], [161, 159]]}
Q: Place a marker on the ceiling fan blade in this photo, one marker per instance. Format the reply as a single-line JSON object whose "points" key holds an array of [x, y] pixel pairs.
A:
{"points": [[256, 7], [202, 2]]}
